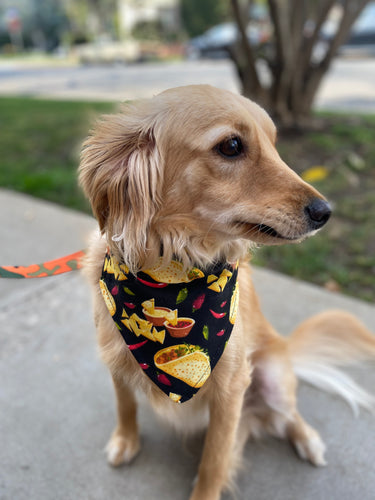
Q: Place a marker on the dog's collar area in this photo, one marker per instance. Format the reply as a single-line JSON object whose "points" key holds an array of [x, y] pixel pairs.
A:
{"points": [[160, 264], [175, 322]]}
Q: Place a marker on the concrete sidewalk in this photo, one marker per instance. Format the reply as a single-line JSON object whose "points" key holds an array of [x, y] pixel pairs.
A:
{"points": [[57, 406]]}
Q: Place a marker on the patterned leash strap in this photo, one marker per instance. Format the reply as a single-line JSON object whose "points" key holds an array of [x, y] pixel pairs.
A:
{"points": [[52, 268]]}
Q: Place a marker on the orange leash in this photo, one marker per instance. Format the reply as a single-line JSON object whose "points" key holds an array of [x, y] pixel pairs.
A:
{"points": [[61, 265]]}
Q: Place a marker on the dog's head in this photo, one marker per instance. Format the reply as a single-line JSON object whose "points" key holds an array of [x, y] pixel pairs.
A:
{"points": [[194, 173]]}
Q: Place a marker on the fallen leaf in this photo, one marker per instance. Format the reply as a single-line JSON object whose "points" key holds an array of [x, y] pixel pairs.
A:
{"points": [[315, 174]]}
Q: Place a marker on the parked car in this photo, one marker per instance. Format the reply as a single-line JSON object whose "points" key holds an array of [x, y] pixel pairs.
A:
{"points": [[216, 42], [108, 52], [362, 34]]}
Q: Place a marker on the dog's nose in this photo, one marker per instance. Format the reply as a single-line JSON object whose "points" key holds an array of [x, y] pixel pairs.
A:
{"points": [[318, 213]]}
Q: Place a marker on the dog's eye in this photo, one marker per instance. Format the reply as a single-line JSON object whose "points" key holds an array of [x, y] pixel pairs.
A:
{"points": [[230, 148]]}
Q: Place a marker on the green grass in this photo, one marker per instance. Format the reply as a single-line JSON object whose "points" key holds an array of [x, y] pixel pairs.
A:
{"points": [[342, 255], [40, 142]]}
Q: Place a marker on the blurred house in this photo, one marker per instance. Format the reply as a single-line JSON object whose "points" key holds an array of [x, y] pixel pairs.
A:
{"points": [[133, 12], [143, 28]]}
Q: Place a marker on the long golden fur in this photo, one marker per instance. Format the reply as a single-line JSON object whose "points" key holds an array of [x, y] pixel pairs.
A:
{"points": [[160, 182]]}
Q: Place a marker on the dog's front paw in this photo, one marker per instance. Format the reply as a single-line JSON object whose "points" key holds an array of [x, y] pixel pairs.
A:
{"points": [[121, 450], [311, 448]]}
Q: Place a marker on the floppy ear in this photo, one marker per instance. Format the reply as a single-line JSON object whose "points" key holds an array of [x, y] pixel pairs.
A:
{"points": [[121, 174]]}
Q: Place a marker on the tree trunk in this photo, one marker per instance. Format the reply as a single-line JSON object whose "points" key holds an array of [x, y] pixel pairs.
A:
{"points": [[295, 76]]}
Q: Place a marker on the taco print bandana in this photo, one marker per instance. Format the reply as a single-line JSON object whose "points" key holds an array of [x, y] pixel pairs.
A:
{"points": [[176, 323]]}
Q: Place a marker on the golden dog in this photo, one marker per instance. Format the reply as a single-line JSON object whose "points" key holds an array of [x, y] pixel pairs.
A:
{"points": [[193, 174]]}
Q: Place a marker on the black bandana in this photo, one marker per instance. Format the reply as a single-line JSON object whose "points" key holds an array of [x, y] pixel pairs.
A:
{"points": [[176, 323]]}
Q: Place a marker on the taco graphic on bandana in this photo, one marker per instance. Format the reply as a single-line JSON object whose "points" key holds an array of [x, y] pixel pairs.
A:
{"points": [[186, 362], [174, 272], [108, 299], [234, 305]]}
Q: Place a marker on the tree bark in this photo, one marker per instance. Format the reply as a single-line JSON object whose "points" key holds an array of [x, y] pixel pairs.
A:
{"points": [[295, 75], [246, 66], [314, 76]]}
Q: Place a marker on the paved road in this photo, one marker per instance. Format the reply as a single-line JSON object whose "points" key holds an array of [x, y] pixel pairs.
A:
{"points": [[348, 86], [113, 82]]}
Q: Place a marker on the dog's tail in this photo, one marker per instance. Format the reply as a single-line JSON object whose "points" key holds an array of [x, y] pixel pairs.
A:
{"points": [[323, 344]]}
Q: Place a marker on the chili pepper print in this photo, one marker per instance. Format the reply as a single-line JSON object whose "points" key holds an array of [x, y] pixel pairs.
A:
{"points": [[114, 290], [133, 347], [163, 379], [217, 315], [152, 285], [128, 291], [198, 302], [182, 294], [223, 303], [205, 332], [144, 366], [129, 305], [221, 333]]}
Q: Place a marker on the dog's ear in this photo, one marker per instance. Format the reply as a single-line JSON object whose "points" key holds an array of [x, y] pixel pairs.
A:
{"points": [[121, 174]]}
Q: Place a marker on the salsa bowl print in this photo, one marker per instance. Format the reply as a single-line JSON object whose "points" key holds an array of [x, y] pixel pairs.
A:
{"points": [[181, 329], [158, 316]]}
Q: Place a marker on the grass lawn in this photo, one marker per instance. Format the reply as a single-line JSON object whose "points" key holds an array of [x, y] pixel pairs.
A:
{"points": [[40, 143], [342, 256]]}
